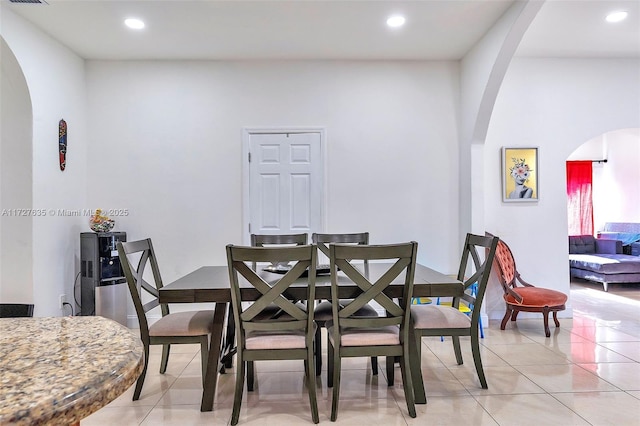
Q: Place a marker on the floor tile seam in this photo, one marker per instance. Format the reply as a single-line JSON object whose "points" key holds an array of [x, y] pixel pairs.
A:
{"points": [[588, 371], [618, 353], [475, 397], [599, 376], [569, 408]]}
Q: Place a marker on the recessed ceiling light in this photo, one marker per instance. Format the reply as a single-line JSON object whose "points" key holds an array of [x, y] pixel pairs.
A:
{"points": [[134, 23], [617, 16], [396, 21]]}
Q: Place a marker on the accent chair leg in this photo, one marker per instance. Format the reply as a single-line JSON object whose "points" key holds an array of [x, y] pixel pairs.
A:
{"points": [[545, 313], [555, 318], [507, 314]]}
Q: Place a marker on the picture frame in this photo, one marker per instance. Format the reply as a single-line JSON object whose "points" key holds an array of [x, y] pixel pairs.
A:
{"points": [[520, 173]]}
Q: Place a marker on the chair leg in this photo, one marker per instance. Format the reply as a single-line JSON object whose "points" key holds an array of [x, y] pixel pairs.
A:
{"points": [[415, 360], [545, 313], [140, 381], [330, 361], [250, 375], [311, 386], [204, 356], [407, 383], [337, 366], [390, 361], [165, 357], [318, 350], [555, 318], [507, 314], [374, 365], [477, 360], [237, 396], [514, 314], [456, 349]]}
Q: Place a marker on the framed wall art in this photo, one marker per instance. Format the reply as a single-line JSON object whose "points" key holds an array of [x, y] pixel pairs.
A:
{"points": [[520, 175]]}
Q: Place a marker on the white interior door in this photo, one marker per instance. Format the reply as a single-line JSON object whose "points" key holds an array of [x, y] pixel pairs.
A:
{"points": [[285, 182]]}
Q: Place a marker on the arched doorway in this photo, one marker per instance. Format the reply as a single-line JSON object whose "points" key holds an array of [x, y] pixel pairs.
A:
{"points": [[16, 182]]}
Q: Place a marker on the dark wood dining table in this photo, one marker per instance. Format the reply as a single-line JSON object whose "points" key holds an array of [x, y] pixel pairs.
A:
{"points": [[211, 284]]}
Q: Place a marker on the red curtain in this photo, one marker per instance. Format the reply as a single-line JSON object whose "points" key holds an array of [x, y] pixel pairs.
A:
{"points": [[580, 202]]}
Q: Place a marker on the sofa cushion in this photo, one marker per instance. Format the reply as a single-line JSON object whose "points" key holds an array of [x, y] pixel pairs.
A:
{"points": [[580, 244], [606, 263]]}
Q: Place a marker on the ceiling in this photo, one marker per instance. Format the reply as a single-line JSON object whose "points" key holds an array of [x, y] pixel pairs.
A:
{"points": [[331, 29]]}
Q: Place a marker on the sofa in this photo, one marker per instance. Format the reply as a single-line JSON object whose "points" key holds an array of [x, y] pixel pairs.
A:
{"points": [[601, 260], [627, 232]]}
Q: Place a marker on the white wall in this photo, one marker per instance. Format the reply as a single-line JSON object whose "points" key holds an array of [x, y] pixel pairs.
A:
{"points": [[16, 236], [166, 143], [55, 78], [557, 105]]}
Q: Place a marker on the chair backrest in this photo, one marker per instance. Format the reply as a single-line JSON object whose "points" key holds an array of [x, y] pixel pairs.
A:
{"points": [[322, 241], [507, 272], [260, 240], [134, 273], [16, 310], [248, 317], [474, 271], [402, 258]]}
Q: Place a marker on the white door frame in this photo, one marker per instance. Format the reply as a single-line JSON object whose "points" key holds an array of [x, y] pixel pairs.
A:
{"points": [[246, 145]]}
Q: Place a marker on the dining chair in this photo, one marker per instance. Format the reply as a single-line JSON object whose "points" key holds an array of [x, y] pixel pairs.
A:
{"points": [[442, 320], [272, 240], [265, 240], [171, 328], [526, 297], [354, 336], [323, 310], [16, 310], [289, 336]]}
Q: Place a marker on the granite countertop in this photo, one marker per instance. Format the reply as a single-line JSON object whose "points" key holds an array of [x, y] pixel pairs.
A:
{"points": [[60, 370]]}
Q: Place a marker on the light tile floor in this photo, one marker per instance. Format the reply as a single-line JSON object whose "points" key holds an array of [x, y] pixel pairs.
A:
{"points": [[586, 373]]}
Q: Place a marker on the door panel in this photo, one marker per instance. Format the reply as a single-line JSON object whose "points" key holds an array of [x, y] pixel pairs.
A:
{"points": [[285, 186]]}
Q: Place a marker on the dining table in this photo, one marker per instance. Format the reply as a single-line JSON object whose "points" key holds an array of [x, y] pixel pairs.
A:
{"points": [[211, 284], [59, 370]]}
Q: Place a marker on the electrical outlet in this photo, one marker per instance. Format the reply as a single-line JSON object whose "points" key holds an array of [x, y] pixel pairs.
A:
{"points": [[62, 299]]}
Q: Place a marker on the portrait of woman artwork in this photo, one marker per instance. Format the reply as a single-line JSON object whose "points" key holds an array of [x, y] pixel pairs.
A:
{"points": [[519, 174]]}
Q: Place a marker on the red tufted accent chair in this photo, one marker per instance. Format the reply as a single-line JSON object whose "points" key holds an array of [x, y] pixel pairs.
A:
{"points": [[527, 298]]}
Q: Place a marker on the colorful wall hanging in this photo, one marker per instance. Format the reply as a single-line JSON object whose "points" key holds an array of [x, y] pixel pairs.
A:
{"points": [[62, 144]]}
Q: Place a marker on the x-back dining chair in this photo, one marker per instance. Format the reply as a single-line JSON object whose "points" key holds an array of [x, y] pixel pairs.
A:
{"points": [[177, 328], [272, 240], [443, 320], [265, 240], [323, 311], [526, 297], [353, 336], [288, 337]]}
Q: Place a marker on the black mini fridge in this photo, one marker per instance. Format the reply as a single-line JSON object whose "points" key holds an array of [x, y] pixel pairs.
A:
{"points": [[103, 287]]}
